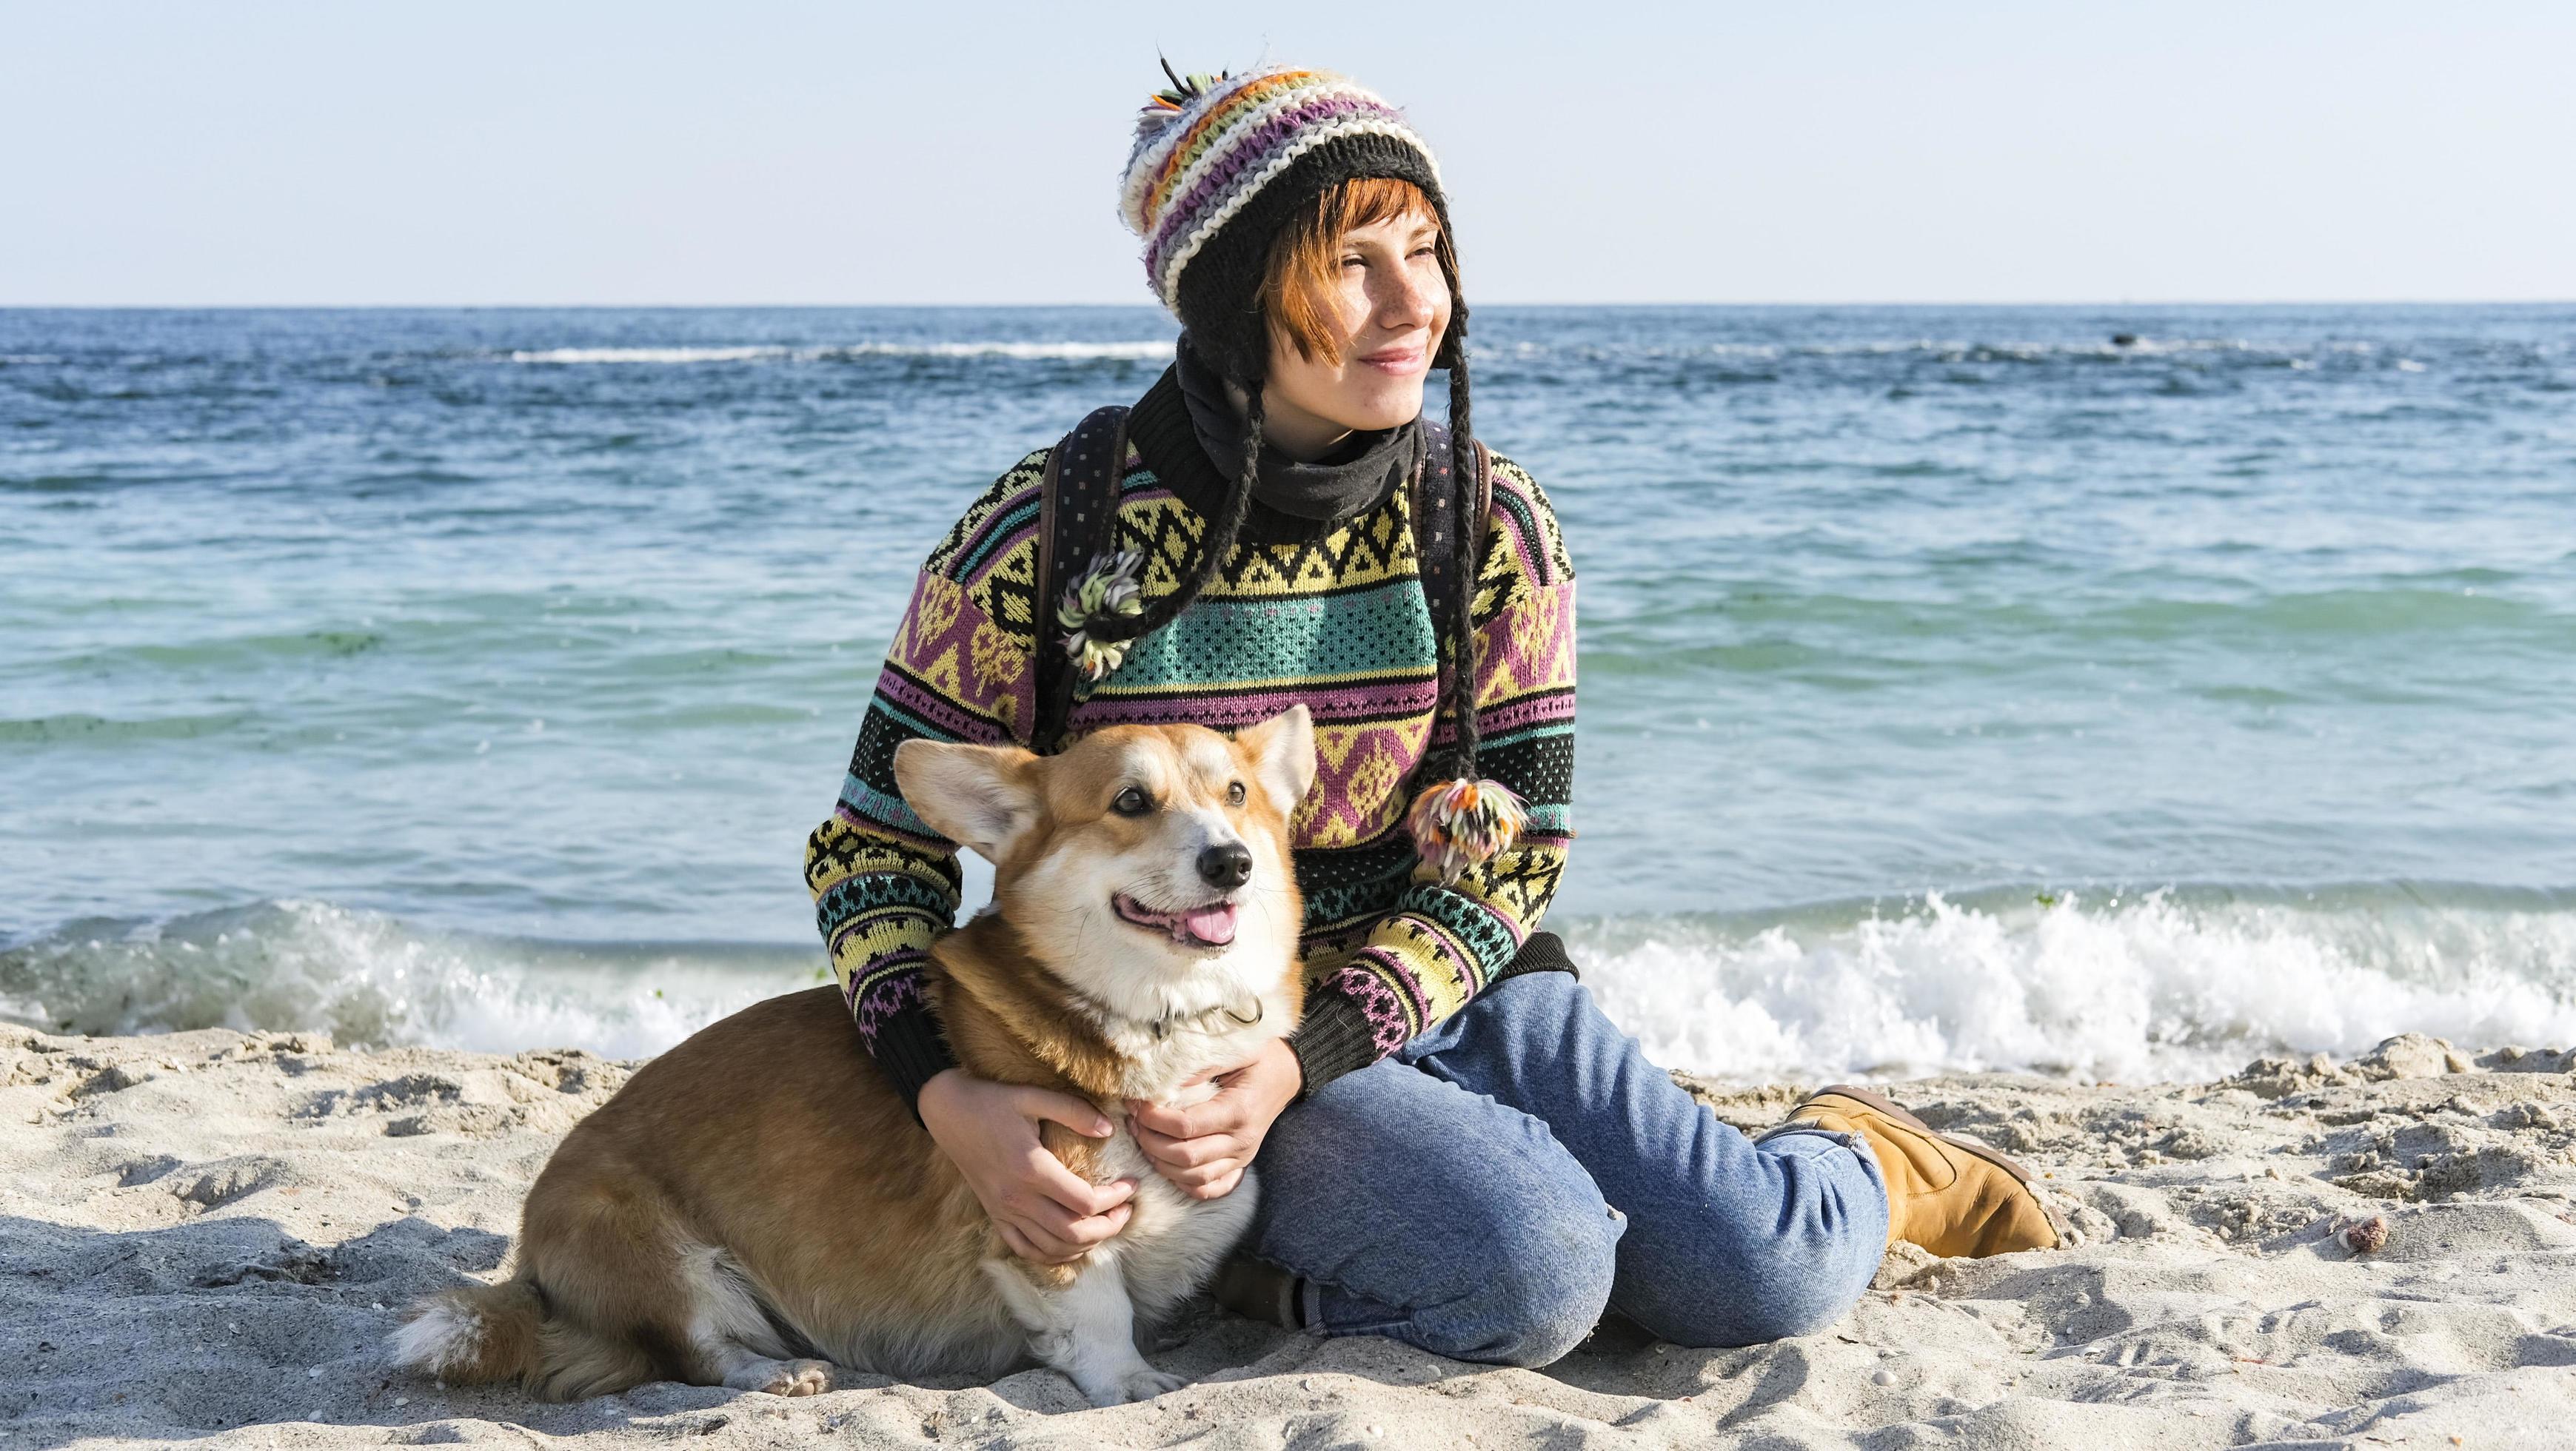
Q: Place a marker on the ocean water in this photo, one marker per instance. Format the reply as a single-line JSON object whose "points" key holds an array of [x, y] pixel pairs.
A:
{"points": [[1960, 688]]}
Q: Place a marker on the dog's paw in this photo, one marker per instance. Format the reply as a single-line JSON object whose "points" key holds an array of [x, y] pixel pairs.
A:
{"points": [[797, 1378], [1117, 1388], [1146, 1384]]}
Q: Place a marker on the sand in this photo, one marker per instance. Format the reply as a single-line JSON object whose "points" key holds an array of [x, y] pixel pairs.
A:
{"points": [[205, 1236]]}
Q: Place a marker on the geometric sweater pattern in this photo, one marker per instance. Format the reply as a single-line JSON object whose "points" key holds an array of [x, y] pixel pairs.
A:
{"points": [[1334, 616]]}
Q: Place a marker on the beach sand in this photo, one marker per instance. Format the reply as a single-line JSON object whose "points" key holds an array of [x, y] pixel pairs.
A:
{"points": [[204, 1238]]}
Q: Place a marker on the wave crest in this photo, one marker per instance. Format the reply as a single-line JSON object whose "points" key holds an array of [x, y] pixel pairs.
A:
{"points": [[2163, 987], [373, 980], [2175, 985]]}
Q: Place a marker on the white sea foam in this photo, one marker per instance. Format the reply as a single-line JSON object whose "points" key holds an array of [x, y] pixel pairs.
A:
{"points": [[1061, 351], [1141, 351], [646, 355], [2131, 990], [367, 978]]}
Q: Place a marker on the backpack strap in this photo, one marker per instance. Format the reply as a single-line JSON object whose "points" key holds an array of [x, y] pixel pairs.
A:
{"points": [[1077, 522], [1438, 516]]}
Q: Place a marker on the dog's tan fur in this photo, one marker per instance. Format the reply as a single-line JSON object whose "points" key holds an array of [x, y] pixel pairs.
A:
{"points": [[760, 1200]]}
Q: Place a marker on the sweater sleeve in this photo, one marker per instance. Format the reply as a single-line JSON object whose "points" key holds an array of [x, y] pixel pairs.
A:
{"points": [[885, 884], [1441, 945]]}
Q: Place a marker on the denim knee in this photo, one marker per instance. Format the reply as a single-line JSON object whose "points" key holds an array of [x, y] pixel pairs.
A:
{"points": [[1780, 1284], [1545, 1267], [1792, 1306]]}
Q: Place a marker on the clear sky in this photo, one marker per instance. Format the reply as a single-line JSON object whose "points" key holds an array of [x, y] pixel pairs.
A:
{"points": [[464, 152]]}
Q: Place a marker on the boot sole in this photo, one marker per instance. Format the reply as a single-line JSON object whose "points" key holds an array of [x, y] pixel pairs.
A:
{"points": [[1890, 1108]]}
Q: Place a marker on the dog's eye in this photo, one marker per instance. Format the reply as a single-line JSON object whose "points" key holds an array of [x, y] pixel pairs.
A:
{"points": [[1131, 802], [1234, 794]]}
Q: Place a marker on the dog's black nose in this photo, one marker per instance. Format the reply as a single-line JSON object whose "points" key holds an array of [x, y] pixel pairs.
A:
{"points": [[1228, 866]]}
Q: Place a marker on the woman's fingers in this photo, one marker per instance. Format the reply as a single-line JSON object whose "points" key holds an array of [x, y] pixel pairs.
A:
{"points": [[1074, 1113], [1043, 1231], [1037, 1242], [1050, 1177], [1036, 1245], [1220, 1114], [1020, 1244], [1054, 1225], [1218, 1187], [1172, 1153], [1206, 1174]]}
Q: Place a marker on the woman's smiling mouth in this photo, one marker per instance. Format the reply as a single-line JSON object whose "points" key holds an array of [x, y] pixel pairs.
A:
{"points": [[1406, 359]]}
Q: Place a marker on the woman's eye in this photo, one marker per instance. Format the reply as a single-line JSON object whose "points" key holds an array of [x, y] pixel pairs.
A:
{"points": [[1234, 794], [1132, 802]]}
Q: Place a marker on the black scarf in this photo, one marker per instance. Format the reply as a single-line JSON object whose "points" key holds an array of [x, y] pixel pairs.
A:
{"points": [[1359, 473]]}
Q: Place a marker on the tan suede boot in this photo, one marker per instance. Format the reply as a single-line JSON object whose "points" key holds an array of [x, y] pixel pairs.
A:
{"points": [[1951, 1196]]}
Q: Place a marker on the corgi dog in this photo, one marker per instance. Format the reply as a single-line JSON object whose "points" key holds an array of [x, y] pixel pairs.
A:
{"points": [[759, 1203]]}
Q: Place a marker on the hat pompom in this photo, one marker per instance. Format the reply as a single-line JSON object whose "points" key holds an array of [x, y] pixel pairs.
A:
{"points": [[1151, 121], [1462, 823], [1165, 106]]}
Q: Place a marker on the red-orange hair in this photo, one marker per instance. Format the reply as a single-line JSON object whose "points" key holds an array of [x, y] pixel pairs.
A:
{"points": [[1301, 282]]}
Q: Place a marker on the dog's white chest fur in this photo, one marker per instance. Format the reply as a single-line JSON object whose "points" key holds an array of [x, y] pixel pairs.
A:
{"points": [[1172, 1242], [1162, 1067]]}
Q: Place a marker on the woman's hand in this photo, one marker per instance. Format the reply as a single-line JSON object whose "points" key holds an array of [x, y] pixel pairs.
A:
{"points": [[989, 1130], [1204, 1149]]}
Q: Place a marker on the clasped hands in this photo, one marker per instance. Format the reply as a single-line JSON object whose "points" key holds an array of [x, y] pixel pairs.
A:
{"points": [[1050, 1215]]}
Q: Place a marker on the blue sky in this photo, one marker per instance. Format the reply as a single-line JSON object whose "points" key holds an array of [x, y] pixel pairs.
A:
{"points": [[474, 153]]}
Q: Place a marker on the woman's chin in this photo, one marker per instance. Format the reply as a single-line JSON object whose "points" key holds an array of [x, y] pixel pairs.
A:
{"points": [[1388, 406]]}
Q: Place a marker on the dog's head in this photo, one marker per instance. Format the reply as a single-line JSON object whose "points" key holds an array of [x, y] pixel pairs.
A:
{"points": [[1142, 860]]}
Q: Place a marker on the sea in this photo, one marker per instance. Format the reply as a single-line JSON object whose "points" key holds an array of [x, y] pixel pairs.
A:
{"points": [[2118, 692]]}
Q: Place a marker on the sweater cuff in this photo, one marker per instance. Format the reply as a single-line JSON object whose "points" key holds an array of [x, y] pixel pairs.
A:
{"points": [[1543, 952], [910, 1048], [1334, 1039]]}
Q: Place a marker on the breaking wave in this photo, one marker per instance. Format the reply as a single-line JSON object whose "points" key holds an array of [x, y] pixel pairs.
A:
{"points": [[370, 979], [2173, 985], [2180, 984]]}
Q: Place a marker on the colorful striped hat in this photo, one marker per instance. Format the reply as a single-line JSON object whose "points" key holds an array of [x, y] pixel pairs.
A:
{"points": [[1221, 162], [1220, 165]]}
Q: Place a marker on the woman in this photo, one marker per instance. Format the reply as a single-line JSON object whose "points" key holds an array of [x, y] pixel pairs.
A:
{"points": [[1458, 1150]]}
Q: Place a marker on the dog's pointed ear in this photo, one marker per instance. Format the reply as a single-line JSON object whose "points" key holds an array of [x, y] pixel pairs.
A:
{"points": [[1282, 749], [982, 797]]}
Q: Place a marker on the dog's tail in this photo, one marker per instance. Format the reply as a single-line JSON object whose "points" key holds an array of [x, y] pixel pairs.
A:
{"points": [[478, 1334], [473, 1334]]}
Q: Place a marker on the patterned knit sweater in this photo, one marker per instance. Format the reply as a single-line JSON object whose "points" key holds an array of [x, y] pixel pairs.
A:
{"points": [[1334, 616]]}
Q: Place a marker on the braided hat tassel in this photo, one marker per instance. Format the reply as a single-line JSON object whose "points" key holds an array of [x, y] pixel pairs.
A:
{"points": [[1460, 823], [1467, 819]]}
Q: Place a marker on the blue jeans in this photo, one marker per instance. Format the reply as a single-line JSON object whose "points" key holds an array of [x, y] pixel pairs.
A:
{"points": [[1489, 1189]]}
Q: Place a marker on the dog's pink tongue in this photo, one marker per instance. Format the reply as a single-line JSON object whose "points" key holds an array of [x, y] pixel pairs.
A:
{"points": [[1211, 925]]}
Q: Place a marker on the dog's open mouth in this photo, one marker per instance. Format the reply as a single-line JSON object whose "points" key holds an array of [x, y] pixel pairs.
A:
{"points": [[1208, 926]]}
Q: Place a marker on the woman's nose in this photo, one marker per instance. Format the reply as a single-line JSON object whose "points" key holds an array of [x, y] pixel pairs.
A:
{"points": [[1410, 300]]}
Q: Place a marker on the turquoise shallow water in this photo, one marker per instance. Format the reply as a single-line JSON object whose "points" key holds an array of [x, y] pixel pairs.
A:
{"points": [[1959, 687]]}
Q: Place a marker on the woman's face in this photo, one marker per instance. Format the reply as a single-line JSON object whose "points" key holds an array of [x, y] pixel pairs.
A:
{"points": [[1394, 307]]}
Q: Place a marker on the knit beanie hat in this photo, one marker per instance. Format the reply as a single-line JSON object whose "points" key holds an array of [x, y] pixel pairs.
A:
{"points": [[1220, 165]]}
